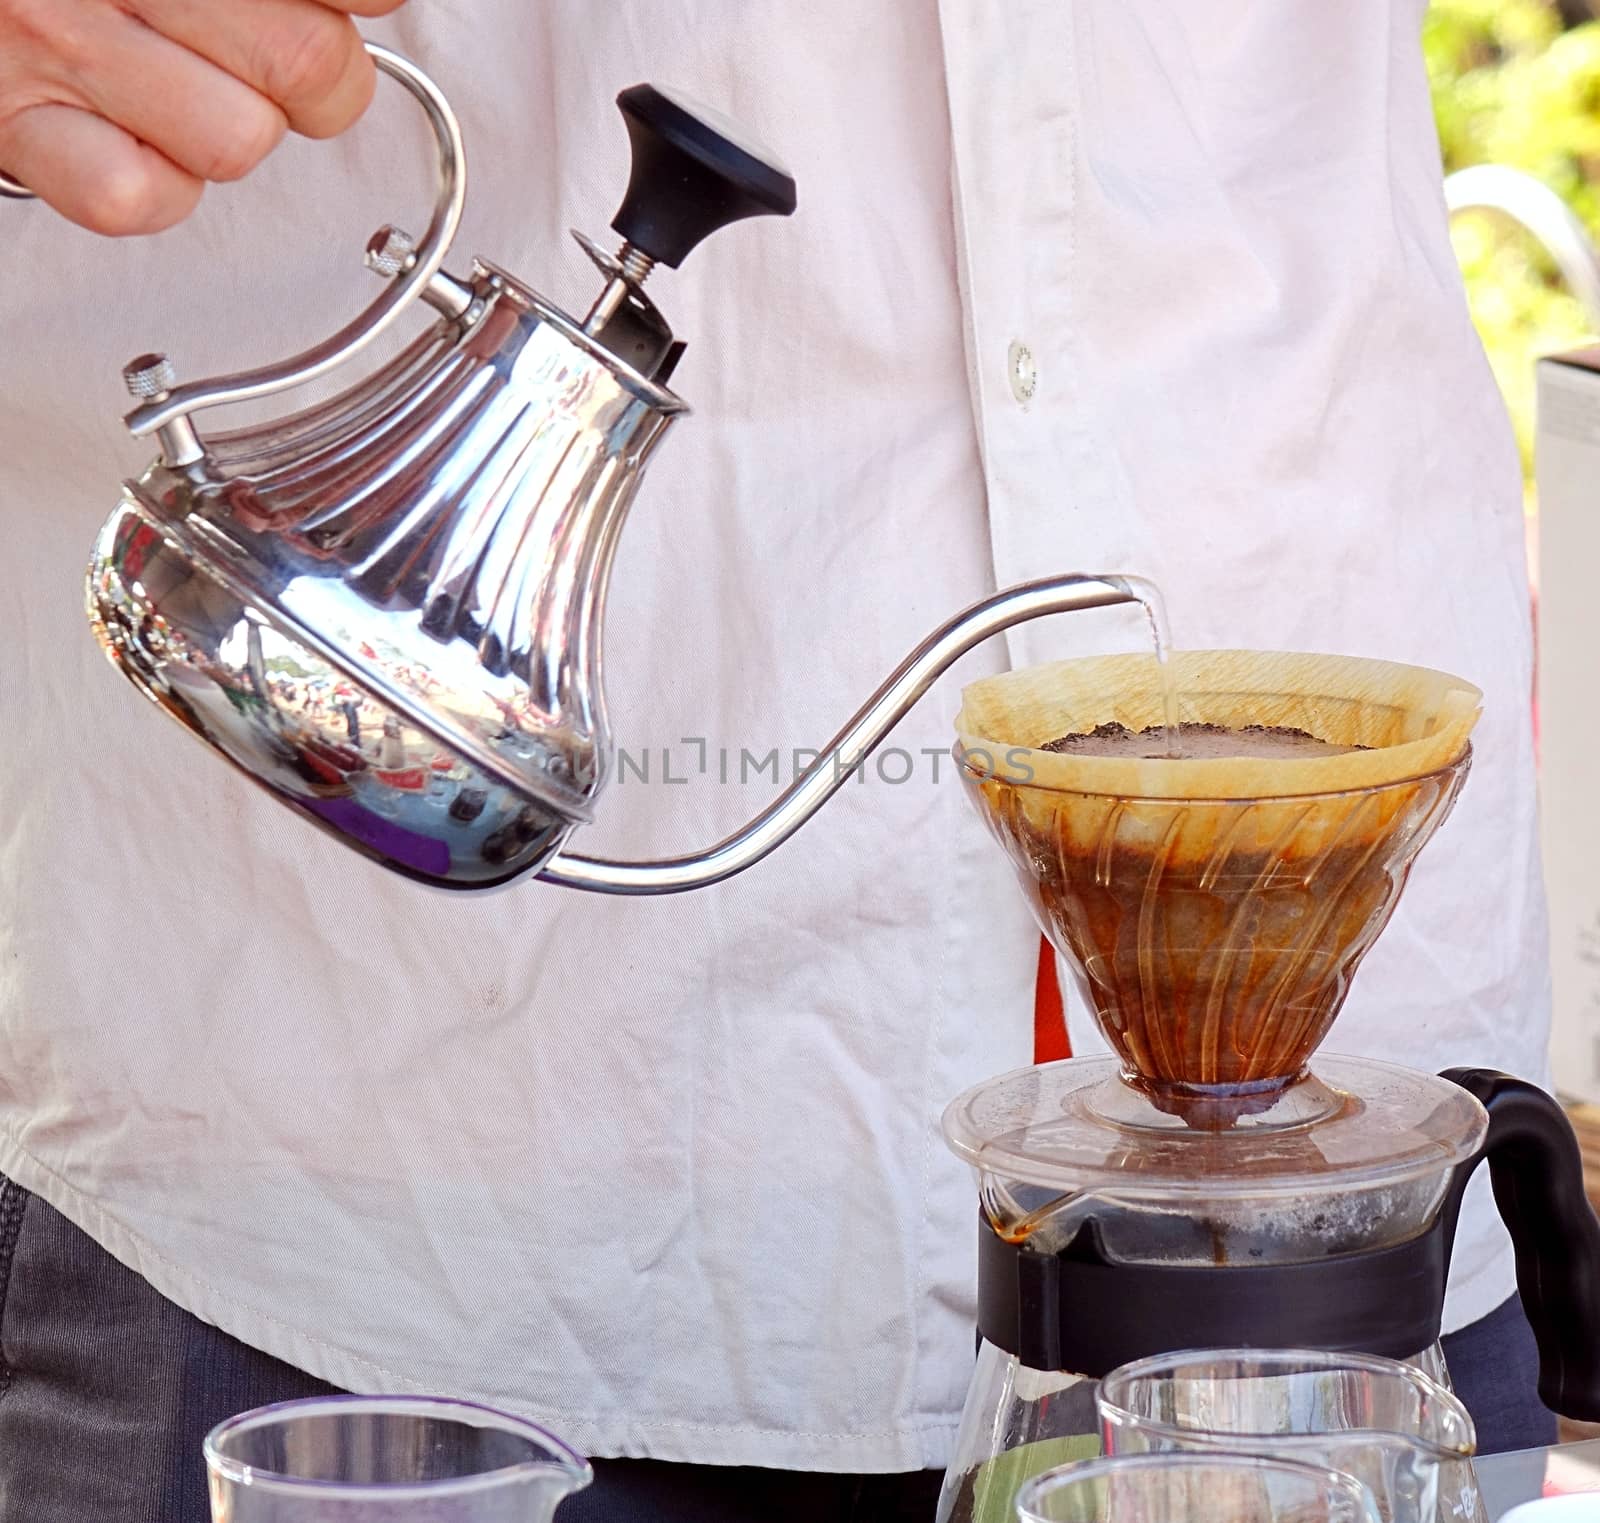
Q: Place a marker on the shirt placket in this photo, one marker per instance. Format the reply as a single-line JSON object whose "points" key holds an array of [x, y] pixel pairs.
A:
{"points": [[1012, 79]]}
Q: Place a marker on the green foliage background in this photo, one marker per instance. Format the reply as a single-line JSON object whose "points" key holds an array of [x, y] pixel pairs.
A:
{"points": [[1517, 82]]}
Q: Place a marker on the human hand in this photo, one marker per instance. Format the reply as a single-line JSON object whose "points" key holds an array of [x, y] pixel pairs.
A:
{"points": [[117, 112]]}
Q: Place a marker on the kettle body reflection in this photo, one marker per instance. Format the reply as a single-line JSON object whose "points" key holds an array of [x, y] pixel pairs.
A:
{"points": [[412, 525]]}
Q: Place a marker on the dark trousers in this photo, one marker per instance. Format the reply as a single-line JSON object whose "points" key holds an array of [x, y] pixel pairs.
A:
{"points": [[1494, 1367], [107, 1388]]}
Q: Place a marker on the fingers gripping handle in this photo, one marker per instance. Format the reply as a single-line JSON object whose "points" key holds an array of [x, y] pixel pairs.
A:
{"points": [[167, 412], [403, 289], [1536, 1169]]}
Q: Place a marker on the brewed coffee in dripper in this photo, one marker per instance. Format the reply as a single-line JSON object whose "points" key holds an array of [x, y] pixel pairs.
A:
{"points": [[1213, 909]]}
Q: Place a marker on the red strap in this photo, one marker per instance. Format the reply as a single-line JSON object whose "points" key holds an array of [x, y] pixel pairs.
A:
{"points": [[1050, 1039]]}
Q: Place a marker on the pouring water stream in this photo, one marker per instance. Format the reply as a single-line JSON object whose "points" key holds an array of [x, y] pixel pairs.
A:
{"points": [[1148, 596]]}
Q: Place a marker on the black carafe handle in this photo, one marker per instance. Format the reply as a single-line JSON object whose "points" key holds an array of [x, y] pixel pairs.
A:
{"points": [[1536, 1169]]}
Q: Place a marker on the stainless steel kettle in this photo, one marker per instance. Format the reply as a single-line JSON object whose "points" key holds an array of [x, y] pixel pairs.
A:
{"points": [[389, 609]]}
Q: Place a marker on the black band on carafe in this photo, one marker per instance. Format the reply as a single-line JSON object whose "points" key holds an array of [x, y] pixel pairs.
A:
{"points": [[1082, 1311]]}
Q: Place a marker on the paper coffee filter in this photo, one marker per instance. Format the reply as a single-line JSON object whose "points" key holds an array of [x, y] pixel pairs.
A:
{"points": [[1415, 721]]}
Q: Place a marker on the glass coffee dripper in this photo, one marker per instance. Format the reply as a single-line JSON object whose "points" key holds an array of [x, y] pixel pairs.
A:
{"points": [[1214, 910], [1212, 1183], [1187, 1488], [359, 1459], [1385, 1423]]}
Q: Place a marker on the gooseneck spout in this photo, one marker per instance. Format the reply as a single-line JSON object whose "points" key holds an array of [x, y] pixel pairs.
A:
{"points": [[850, 747]]}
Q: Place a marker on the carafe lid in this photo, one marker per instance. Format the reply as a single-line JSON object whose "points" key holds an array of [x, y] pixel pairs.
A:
{"points": [[1357, 1156], [1076, 1125]]}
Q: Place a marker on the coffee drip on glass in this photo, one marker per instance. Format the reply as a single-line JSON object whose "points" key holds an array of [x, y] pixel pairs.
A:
{"points": [[1216, 1183]]}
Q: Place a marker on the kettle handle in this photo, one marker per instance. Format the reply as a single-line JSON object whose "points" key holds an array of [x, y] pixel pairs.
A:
{"points": [[171, 406], [1536, 1168]]}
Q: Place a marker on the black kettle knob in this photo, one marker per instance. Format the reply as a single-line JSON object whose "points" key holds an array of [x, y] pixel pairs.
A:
{"points": [[693, 172]]}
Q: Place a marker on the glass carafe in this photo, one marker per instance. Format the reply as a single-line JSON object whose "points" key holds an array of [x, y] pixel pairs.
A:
{"points": [[1189, 1488], [359, 1459], [1105, 1234], [1404, 1436]]}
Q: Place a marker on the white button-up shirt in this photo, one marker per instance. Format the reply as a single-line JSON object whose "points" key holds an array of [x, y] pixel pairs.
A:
{"points": [[1104, 285]]}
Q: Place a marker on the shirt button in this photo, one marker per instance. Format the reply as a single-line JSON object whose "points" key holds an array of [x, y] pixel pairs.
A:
{"points": [[1022, 372]]}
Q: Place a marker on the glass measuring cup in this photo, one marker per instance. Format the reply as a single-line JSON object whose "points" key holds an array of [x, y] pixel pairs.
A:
{"points": [[1400, 1433], [359, 1459], [1194, 1488]]}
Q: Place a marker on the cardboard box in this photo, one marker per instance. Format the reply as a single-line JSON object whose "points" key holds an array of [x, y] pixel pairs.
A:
{"points": [[1567, 466]]}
